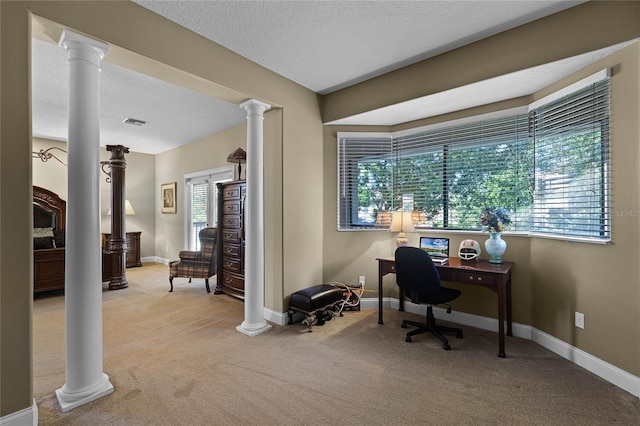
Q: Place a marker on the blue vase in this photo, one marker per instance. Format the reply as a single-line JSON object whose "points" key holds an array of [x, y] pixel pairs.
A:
{"points": [[495, 246]]}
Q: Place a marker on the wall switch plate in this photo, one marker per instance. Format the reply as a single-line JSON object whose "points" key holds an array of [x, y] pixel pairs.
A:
{"points": [[579, 320], [361, 280]]}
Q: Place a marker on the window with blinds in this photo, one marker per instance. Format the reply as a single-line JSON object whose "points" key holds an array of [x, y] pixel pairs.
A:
{"points": [[549, 168], [202, 207], [365, 184], [450, 175], [572, 176], [201, 194]]}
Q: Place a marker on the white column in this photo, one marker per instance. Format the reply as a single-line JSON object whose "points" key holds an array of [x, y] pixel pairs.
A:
{"points": [[85, 380], [254, 322]]}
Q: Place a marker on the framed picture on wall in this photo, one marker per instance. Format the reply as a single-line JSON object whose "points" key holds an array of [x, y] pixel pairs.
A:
{"points": [[168, 195]]}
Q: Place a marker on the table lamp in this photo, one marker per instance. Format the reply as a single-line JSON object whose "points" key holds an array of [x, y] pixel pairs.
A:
{"points": [[401, 222], [238, 156]]}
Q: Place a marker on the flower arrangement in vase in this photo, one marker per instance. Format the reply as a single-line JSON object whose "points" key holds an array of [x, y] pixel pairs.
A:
{"points": [[495, 221]]}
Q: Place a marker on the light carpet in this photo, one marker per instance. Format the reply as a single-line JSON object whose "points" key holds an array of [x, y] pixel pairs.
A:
{"points": [[177, 359]]}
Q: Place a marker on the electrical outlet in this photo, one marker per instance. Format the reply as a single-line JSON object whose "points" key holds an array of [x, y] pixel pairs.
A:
{"points": [[579, 320], [361, 280]]}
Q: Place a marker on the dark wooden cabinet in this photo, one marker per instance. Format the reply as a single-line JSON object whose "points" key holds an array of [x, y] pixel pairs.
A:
{"points": [[230, 274], [133, 247]]}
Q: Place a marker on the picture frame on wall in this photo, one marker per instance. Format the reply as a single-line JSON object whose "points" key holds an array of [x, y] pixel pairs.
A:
{"points": [[168, 196]]}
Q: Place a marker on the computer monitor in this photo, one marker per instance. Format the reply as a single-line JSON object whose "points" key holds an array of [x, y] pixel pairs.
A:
{"points": [[436, 247]]}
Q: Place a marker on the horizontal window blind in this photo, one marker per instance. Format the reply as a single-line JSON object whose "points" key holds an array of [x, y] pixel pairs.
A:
{"points": [[201, 195], [549, 168], [572, 164], [450, 175], [365, 181]]}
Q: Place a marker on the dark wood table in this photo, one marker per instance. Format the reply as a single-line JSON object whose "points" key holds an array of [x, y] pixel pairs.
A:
{"points": [[495, 277]]}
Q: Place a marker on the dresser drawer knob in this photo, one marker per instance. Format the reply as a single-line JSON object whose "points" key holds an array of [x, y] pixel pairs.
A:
{"points": [[229, 264], [228, 280], [479, 278], [229, 250]]}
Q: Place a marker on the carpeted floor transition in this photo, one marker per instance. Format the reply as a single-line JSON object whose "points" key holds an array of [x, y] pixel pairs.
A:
{"points": [[177, 359]]}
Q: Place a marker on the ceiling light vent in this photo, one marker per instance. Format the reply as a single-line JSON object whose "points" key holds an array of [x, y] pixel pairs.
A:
{"points": [[134, 121]]}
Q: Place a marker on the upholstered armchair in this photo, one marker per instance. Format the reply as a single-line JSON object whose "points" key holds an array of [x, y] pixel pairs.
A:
{"points": [[197, 264]]}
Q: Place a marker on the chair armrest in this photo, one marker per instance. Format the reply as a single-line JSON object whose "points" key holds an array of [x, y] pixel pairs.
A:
{"points": [[190, 255]]}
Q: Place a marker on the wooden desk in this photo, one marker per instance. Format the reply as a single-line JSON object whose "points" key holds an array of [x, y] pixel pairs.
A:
{"points": [[495, 277]]}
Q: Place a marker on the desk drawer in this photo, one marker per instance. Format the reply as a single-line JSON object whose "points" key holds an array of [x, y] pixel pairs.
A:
{"points": [[447, 274], [475, 278]]}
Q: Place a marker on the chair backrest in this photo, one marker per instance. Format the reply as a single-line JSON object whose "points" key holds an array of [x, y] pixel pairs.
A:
{"points": [[208, 243], [416, 274]]}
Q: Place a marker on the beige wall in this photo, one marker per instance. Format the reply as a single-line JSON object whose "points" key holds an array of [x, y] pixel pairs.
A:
{"points": [[601, 281], [208, 153]]}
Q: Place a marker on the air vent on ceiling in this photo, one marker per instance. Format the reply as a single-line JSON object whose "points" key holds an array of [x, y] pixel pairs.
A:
{"points": [[134, 121]]}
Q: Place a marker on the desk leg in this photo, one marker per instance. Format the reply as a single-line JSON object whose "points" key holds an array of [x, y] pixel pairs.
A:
{"points": [[501, 352], [380, 292], [509, 327]]}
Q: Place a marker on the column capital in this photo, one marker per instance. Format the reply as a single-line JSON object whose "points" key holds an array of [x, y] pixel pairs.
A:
{"points": [[254, 106], [76, 42]]}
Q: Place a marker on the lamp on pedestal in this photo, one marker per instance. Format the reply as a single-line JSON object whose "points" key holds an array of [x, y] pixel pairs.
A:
{"points": [[238, 156], [401, 222]]}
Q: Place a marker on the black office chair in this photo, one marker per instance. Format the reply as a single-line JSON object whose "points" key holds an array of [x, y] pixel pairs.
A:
{"points": [[420, 281]]}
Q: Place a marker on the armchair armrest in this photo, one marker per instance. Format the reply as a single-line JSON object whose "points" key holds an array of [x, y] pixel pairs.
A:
{"points": [[190, 255]]}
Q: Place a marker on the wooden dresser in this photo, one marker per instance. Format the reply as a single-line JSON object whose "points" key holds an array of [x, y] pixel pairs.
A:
{"points": [[133, 247], [230, 274]]}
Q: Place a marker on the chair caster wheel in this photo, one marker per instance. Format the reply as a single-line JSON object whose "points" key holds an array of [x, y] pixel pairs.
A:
{"points": [[446, 347], [408, 339], [403, 325], [459, 335]]}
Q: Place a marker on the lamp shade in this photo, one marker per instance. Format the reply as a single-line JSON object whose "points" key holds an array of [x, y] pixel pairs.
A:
{"points": [[128, 209], [401, 222]]}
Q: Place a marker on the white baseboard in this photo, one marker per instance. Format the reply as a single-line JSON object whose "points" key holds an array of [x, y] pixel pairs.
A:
{"points": [[26, 417], [154, 259], [603, 369], [278, 318], [608, 372]]}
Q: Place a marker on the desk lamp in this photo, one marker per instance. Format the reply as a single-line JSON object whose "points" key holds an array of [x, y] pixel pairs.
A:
{"points": [[401, 222]]}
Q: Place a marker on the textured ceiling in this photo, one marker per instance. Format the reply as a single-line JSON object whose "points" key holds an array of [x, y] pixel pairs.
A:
{"points": [[321, 45], [328, 45]]}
